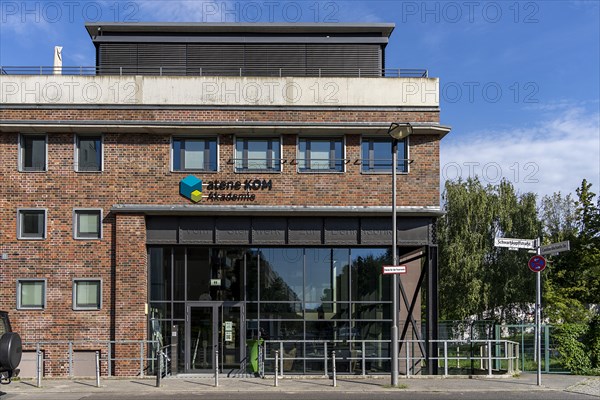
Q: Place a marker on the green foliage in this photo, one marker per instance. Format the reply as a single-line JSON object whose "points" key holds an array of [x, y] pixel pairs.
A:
{"points": [[491, 280], [570, 345], [478, 279]]}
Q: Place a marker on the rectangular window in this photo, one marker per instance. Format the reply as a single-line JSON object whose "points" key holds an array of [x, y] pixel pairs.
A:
{"points": [[87, 294], [320, 155], [87, 224], [257, 155], [31, 294], [88, 153], [32, 153], [377, 155], [194, 154], [31, 224]]}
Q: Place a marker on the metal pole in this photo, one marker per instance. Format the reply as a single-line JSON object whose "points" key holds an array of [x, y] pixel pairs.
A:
{"points": [[216, 368], [98, 369], [159, 370], [325, 356], [109, 359], [276, 368], [70, 359], [39, 368], [489, 354], [333, 368], [445, 358], [142, 359], [364, 361], [281, 358], [394, 348], [408, 362], [538, 301]]}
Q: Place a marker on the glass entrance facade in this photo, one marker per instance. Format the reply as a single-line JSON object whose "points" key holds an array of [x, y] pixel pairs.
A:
{"points": [[224, 296]]}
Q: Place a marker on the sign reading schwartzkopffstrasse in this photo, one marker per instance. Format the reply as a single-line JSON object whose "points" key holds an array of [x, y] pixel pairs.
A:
{"points": [[515, 243]]}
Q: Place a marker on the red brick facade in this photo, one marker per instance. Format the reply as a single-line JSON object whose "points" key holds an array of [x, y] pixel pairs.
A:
{"points": [[137, 171]]}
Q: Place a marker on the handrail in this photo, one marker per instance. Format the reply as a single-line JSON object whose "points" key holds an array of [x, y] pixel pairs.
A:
{"points": [[263, 71], [490, 352]]}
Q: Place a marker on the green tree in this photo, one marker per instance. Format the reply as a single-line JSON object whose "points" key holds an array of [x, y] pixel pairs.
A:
{"points": [[492, 282], [573, 278]]}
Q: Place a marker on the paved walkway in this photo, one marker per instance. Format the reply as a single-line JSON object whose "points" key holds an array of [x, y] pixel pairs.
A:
{"points": [[524, 383]]}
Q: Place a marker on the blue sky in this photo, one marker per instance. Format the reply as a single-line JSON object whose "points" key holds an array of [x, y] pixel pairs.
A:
{"points": [[520, 81]]}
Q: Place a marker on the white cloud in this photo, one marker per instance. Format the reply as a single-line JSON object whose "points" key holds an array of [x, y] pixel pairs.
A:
{"points": [[555, 154]]}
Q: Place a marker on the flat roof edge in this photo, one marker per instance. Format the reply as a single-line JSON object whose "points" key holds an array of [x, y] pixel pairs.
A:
{"points": [[426, 211], [384, 28]]}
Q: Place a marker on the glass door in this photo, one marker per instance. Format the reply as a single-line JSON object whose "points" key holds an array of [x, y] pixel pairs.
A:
{"points": [[201, 338], [231, 338]]}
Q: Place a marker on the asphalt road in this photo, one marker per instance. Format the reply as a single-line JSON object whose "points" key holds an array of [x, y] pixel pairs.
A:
{"points": [[399, 395]]}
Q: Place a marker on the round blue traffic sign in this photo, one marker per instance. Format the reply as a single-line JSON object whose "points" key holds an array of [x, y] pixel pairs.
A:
{"points": [[537, 263]]}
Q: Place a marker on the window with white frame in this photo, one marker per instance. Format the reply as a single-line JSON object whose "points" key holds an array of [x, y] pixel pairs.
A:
{"points": [[32, 153], [31, 224], [87, 294], [320, 155], [257, 155], [31, 294], [87, 223], [377, 155], [194, 154], [88, 153]]}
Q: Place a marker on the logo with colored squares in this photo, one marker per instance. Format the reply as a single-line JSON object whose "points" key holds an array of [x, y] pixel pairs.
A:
{"points": [[191, 188]]}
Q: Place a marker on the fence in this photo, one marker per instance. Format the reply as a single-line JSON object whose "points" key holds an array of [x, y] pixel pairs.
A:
{"points": [[244, 71], [372, 356], [525, 336], [132, 357]]}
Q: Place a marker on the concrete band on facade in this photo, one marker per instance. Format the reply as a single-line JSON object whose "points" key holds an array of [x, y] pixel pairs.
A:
{"points": [[147, 224]]}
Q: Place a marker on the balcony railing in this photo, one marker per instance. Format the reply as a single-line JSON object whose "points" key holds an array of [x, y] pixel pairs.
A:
{"points": [[208, 71]]}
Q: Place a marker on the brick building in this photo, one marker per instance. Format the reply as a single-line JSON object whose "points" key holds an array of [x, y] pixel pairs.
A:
{"points": [[207, 184]]}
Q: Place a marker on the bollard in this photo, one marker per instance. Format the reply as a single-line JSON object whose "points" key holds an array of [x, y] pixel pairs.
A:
{"points": [[97, 369], [445, 358], [281, 359], [159, 371], [216, 368], [39, 368], [276, 368], [325, 356], [489, 354], [333, 369], [407, 360], [364, 361]]}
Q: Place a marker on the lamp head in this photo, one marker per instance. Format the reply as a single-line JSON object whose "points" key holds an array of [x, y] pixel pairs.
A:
{"points": [[400, 131]]}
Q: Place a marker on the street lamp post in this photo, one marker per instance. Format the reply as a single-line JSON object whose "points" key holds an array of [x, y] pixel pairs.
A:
{"points": [[397, 131]]}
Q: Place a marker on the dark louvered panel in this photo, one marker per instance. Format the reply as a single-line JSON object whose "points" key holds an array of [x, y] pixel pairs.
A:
{"points": [[170, 56], [215, 59], [275, 59], [234, 59], [117, 58], [344, 59]]}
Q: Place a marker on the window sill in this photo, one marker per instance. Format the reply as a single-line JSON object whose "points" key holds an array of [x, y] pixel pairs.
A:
{"points": [[381, 173], [31, 238], [194, 171]]}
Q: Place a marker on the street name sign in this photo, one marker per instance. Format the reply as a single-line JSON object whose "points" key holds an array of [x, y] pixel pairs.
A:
{"points": [[394, 269], [515, 243], [555, 247]]}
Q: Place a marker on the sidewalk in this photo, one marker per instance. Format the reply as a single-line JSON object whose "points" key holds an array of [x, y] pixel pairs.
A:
{"points": [[524, 383]]}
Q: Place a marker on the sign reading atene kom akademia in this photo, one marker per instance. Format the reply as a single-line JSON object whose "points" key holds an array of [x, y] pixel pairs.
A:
{"points": [[195, 190]]}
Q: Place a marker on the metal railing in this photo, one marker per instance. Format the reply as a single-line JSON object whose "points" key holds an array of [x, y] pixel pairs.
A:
{"points": [[148, 356], [207, 71], [488, 356]]}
